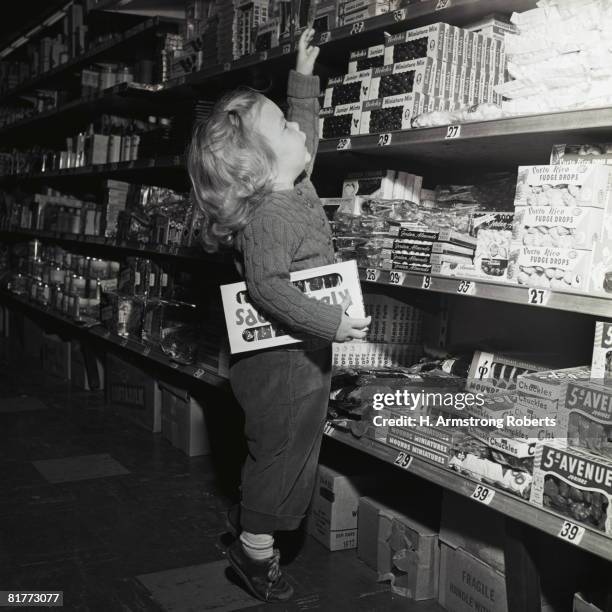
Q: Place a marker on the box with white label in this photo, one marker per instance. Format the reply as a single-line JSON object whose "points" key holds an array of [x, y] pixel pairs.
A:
{"points": [[413, 76], [248, 327], [375, 354], [574, 483], [340, 121], [550, 268], [348, 88], [492, 254], [577, 227], [428, 41], [374, 8], [601, 366], [365, 59], [391, 114], [374, 183], [561, 185], [550, 384]]}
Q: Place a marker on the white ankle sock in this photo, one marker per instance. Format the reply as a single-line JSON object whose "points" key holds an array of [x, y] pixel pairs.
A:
{"points": [[258, 546]]}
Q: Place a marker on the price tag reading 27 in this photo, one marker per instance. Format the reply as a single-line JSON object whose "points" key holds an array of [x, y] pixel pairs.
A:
{"points": [[538, 297], [453, 131]]}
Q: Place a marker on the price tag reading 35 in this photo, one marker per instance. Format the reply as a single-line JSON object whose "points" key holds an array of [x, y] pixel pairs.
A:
{"points": [[483, 494], [571, 532], [466, 288]]}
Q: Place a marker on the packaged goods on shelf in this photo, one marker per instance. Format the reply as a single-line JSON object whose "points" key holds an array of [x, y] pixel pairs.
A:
{"points": [[574, 483], [365, 59], [492, 253], [493, 26], [268, 35], [428, 41], [340, 121], [248, 14], [122, 314], [347, 89], [375, 183], [410, 232], [393, 321], [587, 153], [390, 114], [413, 76], [550, 384], [589, 411], [374, 8], [375, 354], [601, 365]]}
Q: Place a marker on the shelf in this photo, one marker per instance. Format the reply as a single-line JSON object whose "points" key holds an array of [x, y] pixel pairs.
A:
{"points": [[154, 171], [118, 47], [488, 290], [506, 503], [125, 99], [111, 247], [94, 329], [511, 141]]}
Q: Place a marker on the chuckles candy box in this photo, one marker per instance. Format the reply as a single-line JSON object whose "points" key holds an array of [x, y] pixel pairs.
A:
{"points": [[250, 329], [575, 483]]}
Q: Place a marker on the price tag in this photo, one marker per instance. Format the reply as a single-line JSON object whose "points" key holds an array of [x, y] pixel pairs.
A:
{"points": [[606, 335], [286, 49], [403, 460], [538, 297], [453, 131], [384, 140], [263, 56], [426, 282], [146, 351], [570, 532], [343, 144], [372, 275], [174, 365], [199, 373], [397, 278], [466, 288], [328, 428], [227, 66], [483, 494], [399, 15], [357, 27], [442, 4], [325, 37]]}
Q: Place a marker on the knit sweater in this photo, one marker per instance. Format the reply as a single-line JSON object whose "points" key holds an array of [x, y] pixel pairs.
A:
{"points": [[289, 232]]}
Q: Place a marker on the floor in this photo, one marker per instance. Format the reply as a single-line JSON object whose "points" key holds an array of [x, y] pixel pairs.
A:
{"points": [[118, 519]]}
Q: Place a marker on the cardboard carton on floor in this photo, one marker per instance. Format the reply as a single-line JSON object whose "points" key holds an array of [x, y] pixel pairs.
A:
{"points": [[183, 421], [399, 548], [56, 356], [135, 394], [333, 513], [87, 372]]}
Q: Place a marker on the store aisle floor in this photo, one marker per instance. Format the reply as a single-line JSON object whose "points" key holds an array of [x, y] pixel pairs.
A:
{"points": [[120, 520]]}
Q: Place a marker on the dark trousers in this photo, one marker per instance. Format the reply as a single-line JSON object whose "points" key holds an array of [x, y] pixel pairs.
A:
{"points": [[284, 395]]}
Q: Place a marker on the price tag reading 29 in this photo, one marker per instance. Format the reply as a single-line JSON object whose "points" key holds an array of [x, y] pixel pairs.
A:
{"points": [[403, 460], [384, 140], [397, 278]]}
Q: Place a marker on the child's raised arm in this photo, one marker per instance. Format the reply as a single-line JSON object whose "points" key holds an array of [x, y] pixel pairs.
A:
{"points": [[302, 94]]}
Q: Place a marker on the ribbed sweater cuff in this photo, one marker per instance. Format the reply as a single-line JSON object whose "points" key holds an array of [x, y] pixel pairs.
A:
{"points": [[302, 86], [327, 322]]}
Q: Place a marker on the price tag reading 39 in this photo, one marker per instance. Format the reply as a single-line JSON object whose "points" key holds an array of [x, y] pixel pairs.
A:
{"points": [[397, 278], [483, 494], [403, 460], [343, 144], [384, 140], [538, 297], [572, 533], [372, 275], [453, 131]]}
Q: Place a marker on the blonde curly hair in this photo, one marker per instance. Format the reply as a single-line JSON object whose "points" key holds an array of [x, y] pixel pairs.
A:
{"points": [[231, 167]]}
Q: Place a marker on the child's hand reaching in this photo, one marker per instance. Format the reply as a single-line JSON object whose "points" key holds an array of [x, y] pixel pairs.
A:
{"points": [[307, 53], [350, 328]]}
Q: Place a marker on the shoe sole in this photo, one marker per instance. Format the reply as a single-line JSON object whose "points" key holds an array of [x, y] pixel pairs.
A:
{"points": [[247, 583]]}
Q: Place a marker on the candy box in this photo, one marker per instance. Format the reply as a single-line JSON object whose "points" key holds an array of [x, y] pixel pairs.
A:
{"points": [[550, 267], [574, 483], [390, 114], [578, 227], [589, 410], [404, 77], [440, 235], [374, 183], [340, 121], [600, 276], [364, 59], [601, 366], [428, 41], [586, 153], [373, 8], [550, 384], [563, 185], [267, 36], [348, 88], [492, 254]]}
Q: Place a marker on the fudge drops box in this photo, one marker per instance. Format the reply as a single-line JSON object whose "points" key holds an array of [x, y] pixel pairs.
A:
{"points": [[249, 329]]}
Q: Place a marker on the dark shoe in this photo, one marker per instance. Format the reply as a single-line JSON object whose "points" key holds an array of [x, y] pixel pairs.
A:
{"points": [[232, 520], [262, 578]]}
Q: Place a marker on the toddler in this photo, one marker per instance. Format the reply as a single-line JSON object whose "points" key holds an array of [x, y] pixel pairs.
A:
{"points": [[249, 166]]}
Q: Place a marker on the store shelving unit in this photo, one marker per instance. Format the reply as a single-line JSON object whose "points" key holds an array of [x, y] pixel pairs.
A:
{"points": [[510, 505]]}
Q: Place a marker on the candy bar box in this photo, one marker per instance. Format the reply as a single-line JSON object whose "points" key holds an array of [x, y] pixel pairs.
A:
{"points": [[601, 364], [582, 154], [551, 384], [589, 409], [340, 121], [413, 76], [429, 41], [574, 483], [347, 89], [374, 183], [364, 59], [567, 227], [563, 185], [391, 114], [374, 8], [249, 329], [442, 235], [492, 254]]}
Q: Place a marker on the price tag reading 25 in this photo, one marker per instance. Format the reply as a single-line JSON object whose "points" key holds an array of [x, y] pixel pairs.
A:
{"points": [[372, 275]]}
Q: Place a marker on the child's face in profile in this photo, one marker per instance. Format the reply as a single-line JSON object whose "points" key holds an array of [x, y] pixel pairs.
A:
{"points": [[286, 140]]}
